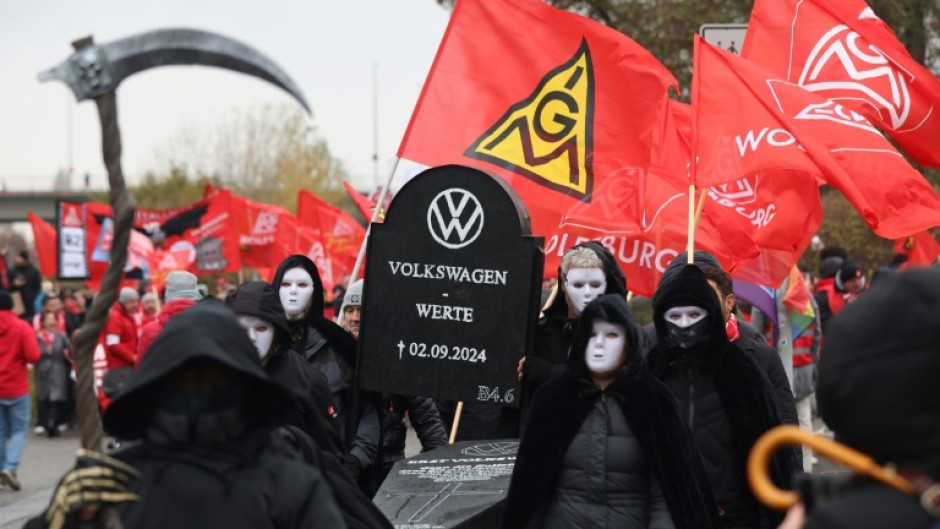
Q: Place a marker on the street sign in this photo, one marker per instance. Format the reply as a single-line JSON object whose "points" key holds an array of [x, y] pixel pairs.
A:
{"points": [[726, 36]]}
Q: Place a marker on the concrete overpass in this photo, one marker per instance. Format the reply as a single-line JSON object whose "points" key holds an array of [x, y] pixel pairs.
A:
{"points": [[15, 204]]}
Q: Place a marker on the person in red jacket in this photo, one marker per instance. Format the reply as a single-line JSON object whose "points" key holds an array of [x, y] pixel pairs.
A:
{"points": [[18, 347], [119, 340], [150, 309], [181, 293]]}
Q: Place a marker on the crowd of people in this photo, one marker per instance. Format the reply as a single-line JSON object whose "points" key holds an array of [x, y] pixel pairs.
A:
{"points": [[243, 409]]}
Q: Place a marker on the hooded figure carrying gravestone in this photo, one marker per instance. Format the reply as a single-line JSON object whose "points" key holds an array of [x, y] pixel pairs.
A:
{"points": [[587, 271], [605, 445], [724, 397], [211, 451], [330, 349]]}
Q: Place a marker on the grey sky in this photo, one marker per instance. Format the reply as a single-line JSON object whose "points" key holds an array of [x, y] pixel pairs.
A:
{"points": [[328, 47]]}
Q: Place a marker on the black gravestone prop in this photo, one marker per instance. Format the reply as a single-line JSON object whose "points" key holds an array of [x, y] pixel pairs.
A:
{"points": [[462, 485], [451, 290]]}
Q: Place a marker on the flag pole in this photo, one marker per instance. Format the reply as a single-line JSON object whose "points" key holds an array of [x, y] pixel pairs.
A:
{"points": [[453, 429], [691, 245], [156, 294], [375, 216], [700, 208]]}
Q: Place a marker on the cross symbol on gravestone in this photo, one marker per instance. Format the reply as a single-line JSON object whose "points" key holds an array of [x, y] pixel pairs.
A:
{"points": [[437, 498]]}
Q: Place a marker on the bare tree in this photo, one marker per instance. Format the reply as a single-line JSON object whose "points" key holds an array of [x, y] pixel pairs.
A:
{"points": [[266, 153]]}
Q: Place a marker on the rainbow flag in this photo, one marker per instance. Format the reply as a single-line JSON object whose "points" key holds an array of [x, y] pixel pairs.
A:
{"points": [[799, 302]]}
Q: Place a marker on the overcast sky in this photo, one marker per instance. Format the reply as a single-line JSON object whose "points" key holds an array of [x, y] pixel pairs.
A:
{"points": [[328, 47]]}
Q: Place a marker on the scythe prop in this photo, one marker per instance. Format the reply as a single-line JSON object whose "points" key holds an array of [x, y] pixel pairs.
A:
{"points": [[94, 72]]}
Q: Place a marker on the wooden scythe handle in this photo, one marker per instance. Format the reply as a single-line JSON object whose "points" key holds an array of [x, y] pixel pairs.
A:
{"points": [[87, 336]]}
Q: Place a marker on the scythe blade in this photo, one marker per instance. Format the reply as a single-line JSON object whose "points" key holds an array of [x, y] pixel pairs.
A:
{"points": [[98, 69]]}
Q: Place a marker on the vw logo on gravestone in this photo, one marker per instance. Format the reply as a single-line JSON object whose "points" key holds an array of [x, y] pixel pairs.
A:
{"points": [[455, 218]]}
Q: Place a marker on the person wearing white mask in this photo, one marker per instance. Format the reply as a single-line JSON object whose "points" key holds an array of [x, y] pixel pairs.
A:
{"points": [[587, 271], [259, 313], [724, 398], [605, 445], [331, 350]]}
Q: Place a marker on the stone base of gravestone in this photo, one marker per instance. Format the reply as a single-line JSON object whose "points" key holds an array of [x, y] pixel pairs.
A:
{"points": [[463, 486]]}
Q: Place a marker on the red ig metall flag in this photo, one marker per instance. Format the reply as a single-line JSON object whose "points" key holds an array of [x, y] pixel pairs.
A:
{"points": [[842, 51], [764, 220], [748, 121], [559, 106]]}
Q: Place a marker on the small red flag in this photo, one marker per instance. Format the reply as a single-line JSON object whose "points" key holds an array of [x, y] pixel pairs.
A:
{"points": [[44, 237], [365, 206], [341, 235]]}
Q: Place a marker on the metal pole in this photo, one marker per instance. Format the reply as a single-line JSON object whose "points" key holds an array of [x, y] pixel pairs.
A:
{"points": [[785, 333], [375, 122], [375, 216], [70, 144]]}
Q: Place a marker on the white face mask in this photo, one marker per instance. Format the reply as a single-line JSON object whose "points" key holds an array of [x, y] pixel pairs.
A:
{"points": [[605, 348], [295, 291], [685, 317], [260, 332], [583, 285]]}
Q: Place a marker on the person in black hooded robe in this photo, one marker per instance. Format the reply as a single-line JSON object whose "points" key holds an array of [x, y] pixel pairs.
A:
{"points": [[259, 312], [330, 349], [210, 454], [605, 445], [749, 338], [553, 338], [724, 397]]}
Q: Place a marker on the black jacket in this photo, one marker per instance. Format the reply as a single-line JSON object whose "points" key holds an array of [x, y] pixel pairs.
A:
{"points": [[242, 482], [332, 350], [768, 361], [559, 411], [870, 505], [751, 341], [723, 397], [30, 282], [549, 355], [878, 391], [423, 415], [315, 408]]}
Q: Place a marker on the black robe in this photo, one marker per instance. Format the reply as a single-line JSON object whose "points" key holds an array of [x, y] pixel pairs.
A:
{"points": [[746, 396], [560, 407]]}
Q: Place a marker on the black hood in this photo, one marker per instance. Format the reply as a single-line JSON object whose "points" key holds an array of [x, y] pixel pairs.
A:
{"points": [[699, 258], [611, 308], [688, 287], [341, 341], [206, 331], [616, 280], [879, 370], [259, 299], [302, 261]]}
